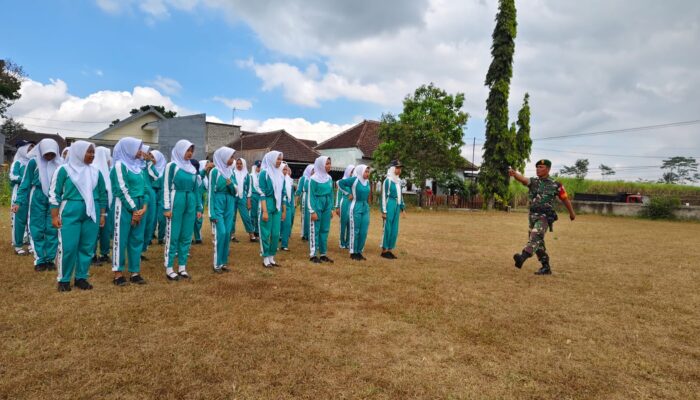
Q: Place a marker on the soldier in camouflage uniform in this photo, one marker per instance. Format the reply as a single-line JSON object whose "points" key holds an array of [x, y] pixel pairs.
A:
{"points": [[543, 190]]}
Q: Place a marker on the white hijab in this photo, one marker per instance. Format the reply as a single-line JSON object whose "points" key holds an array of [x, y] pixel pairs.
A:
{"points": [[125, 151], [178, 156], [275, 174], [391, 175], [308, 170], [46, 168], [22, 155], [254, 176], [66, 151], [320, 175], [160, 163], [84, 176], [360, 173], [348, 171], [102, 161], [221, 157], [240, 176], [289, 182]]}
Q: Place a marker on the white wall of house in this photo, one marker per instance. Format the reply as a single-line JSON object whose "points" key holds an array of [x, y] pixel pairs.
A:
{"points": [[341, 158]]}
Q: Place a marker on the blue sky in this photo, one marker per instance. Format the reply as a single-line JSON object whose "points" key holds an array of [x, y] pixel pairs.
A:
{"points": [[316, 67]]}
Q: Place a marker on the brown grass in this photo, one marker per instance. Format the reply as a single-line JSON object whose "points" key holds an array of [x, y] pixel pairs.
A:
{"points": [[451, 319]]}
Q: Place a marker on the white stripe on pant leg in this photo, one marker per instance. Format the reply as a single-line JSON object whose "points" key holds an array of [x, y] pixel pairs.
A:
{"points": [[168, 228], [262, 249], [312, 237], [216, 252], [303, 211], [29, 222], [383, 229], [116, 235], [351, 245], [13, 216]]}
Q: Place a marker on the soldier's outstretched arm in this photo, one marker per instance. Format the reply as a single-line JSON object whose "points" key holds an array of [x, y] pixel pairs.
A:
{"points": [[518, 177], [570, 208]]}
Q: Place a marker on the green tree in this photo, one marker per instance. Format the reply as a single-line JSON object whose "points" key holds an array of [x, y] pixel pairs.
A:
{"points": [[160, 109], [11, 76], [523, 142], [606, 170], [11, 127], [680, 170], [578, 170], [500, 146], [426, 136]]}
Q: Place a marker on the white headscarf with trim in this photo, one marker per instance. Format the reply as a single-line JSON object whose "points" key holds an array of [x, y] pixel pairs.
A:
{"points": [[84, 176], [178, 156], [275, 174], [22, 155], [320, 175], [46, 168], [360, 173], [125, 151], [102, 160], [289, 182], [391, 175], [254, 176], [160, 162], [348, 171], [221, 157], [240, 176], [308, 170]]}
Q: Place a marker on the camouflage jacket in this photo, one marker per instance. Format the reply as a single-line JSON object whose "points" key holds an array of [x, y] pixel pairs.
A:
{"points": [[543, 191]]}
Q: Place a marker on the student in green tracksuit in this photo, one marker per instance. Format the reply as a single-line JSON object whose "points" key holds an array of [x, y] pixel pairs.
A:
{"points": [[182, 203], [288, 222], [272, 210], [222, 200], [19, 219], [240, 207], [34, 193], [392, 206], [302, 193], [202, 167], [103, 160], [358, 187], [130, 206], [320, 205], [149, 219], [342, 207], [78, 199], [159, 163], [254, 199]]}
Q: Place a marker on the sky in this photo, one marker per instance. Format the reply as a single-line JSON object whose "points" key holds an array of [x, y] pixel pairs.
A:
{"points": [[317, 67]]}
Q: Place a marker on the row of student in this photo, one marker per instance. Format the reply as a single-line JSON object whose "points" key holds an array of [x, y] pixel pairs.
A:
{"points": [[75, 191]]}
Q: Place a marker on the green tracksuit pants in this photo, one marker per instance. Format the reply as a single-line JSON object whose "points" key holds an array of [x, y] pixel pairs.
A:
{"points": [[254, 211], [104, 236], [305, 218], [240, 207], [344, 223], [178, 235], [198, 222], [76, 241], [391, 224], [150, 219], [287, 224], [43, 236], [223, 205], [270, 229], [127, 244], [359, 225], [318, 230], [19, 221], [160, 218]]}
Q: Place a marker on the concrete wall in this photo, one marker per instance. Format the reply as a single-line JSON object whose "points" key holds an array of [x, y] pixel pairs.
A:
{"points": [[133, 129], [191, 127], [628, 210], [219, 135]]}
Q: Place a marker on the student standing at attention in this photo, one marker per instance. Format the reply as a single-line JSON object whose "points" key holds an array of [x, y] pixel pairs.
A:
{"points": [[358, 187], [19, 219], [242, 181], [78, 199], [182, 203], [103, 161], [342, 205], [254, 199], [130, 205], [150, 218], [159, 162], [288, 222], [301, 193], [33, 192], [222, 200], [392, 206], [272, 210], [320, 205]]}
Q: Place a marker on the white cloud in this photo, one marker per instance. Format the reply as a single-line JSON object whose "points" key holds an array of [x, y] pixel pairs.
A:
{"points": [[167, 85], [299, 127], [238, 104]]}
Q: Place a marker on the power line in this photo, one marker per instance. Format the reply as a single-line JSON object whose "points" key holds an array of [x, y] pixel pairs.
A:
{"points": [[61, 129], [62, 120], [625, 130], [603, 155]]}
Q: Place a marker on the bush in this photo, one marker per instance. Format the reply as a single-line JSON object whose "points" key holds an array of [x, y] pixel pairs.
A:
{"points": [[660, 208], [5, 191]]}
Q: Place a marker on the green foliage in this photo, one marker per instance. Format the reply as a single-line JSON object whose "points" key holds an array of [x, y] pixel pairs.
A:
{"points": [[10, 82], [680, 170], [573, 186], [605, 170], [5, 191], [523, 142], [10, 128], [500, 149], [160, 109], [660, 208], [579, 169], [426, 136]]}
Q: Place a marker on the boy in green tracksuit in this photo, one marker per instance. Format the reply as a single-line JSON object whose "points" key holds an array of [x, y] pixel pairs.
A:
{"points": [[102, 161], [222, 199], [130, 206], [254, 198], [358, 187], [272, 210], [202, 187], [159, 167], [33, 193], [182, 203], [150, 218], [342, 207], [240, 205], [301, 193], [392, 206], [320, 206], [78, 198], [19, 219], [288, 222]]}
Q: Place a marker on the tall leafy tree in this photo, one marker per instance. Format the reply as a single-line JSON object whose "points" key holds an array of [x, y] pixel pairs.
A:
{"points": [[500, 145], [426, 136], [11, 76], [523, 142], [11, 127], [680, 170], [606, 170], [160, 109], [579, 170]]}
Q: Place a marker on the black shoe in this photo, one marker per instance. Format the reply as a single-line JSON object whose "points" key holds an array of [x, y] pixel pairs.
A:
{"points": [[235, 240], [198, 241], [353, 256], [64, 287], [137, 279], [144, 258], [303, 239], [285, 249], [386, 255], [95, 260], [121, 281], [315, 260], [40, 267], [274, 264], [51, 266], [361, 257], [172, 276], [105, 259], [218, 270], [326, 259], [225, 268], [184, 275], [161, 242], [545, 270], [254, 239], [518, 261], [83, 284], [392, 256]]}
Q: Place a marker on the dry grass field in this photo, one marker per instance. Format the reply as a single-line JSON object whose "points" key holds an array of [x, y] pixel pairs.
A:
{"points": [[450, 319]]}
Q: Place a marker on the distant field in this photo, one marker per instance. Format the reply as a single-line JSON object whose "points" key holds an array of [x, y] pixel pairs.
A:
{"points": [[451, 319]]}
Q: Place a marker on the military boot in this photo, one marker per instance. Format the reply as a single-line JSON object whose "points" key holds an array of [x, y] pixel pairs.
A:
{"points": [[520, 259], [544, 259]]}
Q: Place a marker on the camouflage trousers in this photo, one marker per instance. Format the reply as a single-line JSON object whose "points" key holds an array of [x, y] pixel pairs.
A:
{"points": [[538, 228]]}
